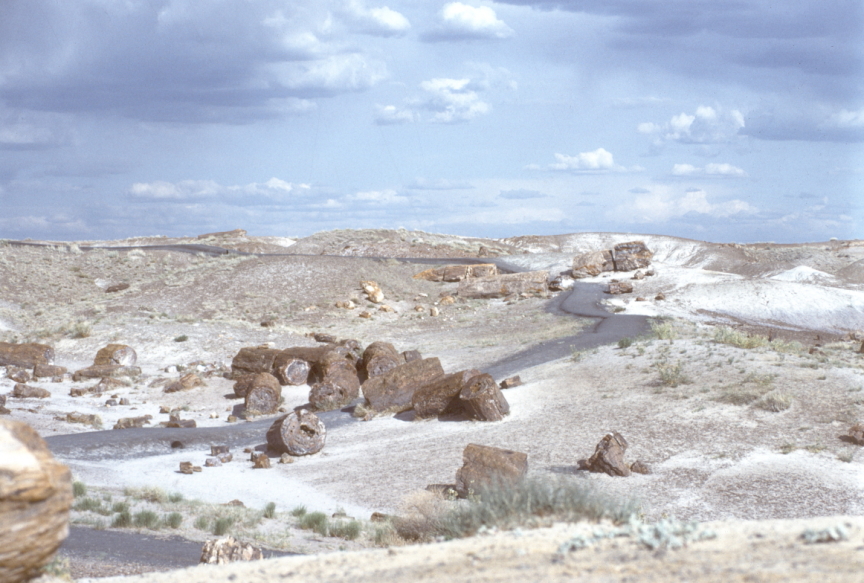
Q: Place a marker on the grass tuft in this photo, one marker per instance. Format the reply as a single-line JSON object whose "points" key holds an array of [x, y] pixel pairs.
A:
{"points": [[349, 530], [122, 520], [774, 402], [174, 520], [222, 525], [625, 343], [316, 522], [663, 329], [270, 510], [726, 335], [79, 489], [146, 519], [671, 375], [298, 511]]}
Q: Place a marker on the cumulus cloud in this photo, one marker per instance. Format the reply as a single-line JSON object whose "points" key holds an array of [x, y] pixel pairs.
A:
{"points": [[705, 126], [458, 21], [378, 21], [439, 184], [521, 194], [388, 115], [186, 190], [710, 170], [661, 205], [378, 197], [821, 124], [598, 161]]}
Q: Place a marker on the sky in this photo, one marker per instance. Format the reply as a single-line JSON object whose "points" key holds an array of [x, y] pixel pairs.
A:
{"points": [[718, 120]]}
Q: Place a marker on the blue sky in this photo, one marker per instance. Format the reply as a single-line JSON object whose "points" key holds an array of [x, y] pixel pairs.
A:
{"points": [[722, 120]]}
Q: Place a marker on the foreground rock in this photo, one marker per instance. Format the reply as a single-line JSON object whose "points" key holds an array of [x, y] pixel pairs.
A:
{"points": [[298, 433], [501, 286], [228, 550], [35, 496], [98, 371], [25, 355], [22, 391], [484, 465]]}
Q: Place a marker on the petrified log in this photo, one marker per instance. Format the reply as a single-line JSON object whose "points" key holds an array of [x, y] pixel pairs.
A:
{"points": [[290, 370], [330, 361], [510, 382], [227, 550], [253, 359], [132, 422], [336, 390], [234, 233], [501, 286], [177, 423], [631, 255], [442, 394], [482, 399], [116, 354], [260, 461], [483, 465], [48, 370], [263, 394], [106, 370], [86, 419], [593, 263], [325, 338], [22, 391], [19, 375], [458, 272], [117, 287], [619, 287], [609, 456], [298, 433], [410, 355], [35, 496], [393, 390], [378, 358], [27, 355], [187, 382]]}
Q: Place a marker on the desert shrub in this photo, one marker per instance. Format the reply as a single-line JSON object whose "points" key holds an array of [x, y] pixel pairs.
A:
{"points": [[270, 510], [148, 493], [57, 568], [774, 402], [120, 507], [625, 343], [348, 530], [175, 497], [79, 489], [122, 520], [89, 505], [739, 396], [222, 525], [790, 347], [316, 522], [181, 338], [533, 502], [146, 519], [298, 511], [174, 520], [79, 330], [663, 329], [671, 375], [726, 335], [202, 523]]}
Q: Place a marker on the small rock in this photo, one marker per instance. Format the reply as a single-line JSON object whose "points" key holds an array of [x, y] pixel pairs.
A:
{"points": [[186, 468], [86, 419], [660, 296], [212, 462], [235, 502], [187, 381], [386, 308], [260, 461], [164, 409], [419, 308], [117, 287], [639, 467], [116, 354], [447, 301], [619, 287], [231, 419], [111, 403], [19, 375], [324, 338], [638, 275], [286, 459], [433, 311], [217, 449], [225, 457], [133, 422], [365, 314], [177, 445], [609, 456], [511, 382], [373, 291], [379, 517], [856, 433], [640, 299], [48, 370], [346, 304], [22, 391], [124, 401]]}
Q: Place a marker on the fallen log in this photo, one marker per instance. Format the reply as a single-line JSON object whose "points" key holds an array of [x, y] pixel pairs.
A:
{"points": [[458, 272], [120, 354], [27, 355], [501, 286], [394, 390], [290, 370], [48, 370], [35, 496], [298, 433], [105, 371], [378, 358], [263, 394], [442, 394], [22, 391], [482, 399], [335, 391], [253, 359], [335, 359]]}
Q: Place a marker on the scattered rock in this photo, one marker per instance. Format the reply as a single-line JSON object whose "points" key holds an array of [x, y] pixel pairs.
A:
{"points": [[346, 304], [35, 497], [856, 433], [609, 456], [177, 445], [501, 286], [365, 314], [434, 311], [453, 273], [511, 382], [22, 391], [481, 398], [298, 433], [263, 394], [483, 465], [86, 419], [116, 288], [106, 371], [379, 517], [187, 382], [373, 291], [640, 299], [325, 338], [419, 308], [660, 297], [631, 255], [441, 394], [117, 354], [619, 287], [188, 468], [447, 301], [212, 462], [218, 449], [260, 461], [378, 358], [132, 422], [227, 550], [386, 308], [639, 467], [286, 459], [27, 355], [177, 423], [48, 370], [19, 375]]}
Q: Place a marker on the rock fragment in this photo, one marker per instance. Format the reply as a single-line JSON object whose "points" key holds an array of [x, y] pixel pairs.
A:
{"points": [[484, 465], [228, 550], [22, 391]]}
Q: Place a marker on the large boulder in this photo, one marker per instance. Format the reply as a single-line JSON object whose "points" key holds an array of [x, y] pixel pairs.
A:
{"points": [[441, 395], [393, 390], [592, 263], [484, 465], [185, 383], [631, 255], [35, 496], [119, 354], [27, 355]]}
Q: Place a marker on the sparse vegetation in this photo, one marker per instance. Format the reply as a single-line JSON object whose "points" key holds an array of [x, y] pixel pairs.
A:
{"points": [[663, 329], [270, 510], [671, 375], [181, 338], [222, 525], [316, 522], [625, 343], [79, 489], [774, 402], [732, 337]]}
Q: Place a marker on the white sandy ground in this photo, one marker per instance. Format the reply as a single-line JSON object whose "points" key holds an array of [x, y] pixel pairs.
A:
{"points": [[741, 551]]}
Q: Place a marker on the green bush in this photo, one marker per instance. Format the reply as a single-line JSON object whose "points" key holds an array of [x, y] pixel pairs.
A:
{"points": [[664, 330], [122, 520], [202, 523], [298, 511], [316, 522], [222, 525], [174, 520], [348, 530], [146, 519], [120, 507], [175, 497], [79, 489], [270, 510], [774, 402], [88, 505], [671, 375], [726, 335], [181, 338], [625, 343]]}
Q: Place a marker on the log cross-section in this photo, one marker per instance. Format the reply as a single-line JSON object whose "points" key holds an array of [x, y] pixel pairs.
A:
{"points": [[482, 399]]}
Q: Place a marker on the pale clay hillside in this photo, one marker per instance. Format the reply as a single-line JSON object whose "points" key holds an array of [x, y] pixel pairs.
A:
{"points": [[737, 393]]}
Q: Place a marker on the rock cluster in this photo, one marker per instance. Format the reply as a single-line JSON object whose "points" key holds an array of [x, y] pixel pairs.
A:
{"points": [[623, 257]]}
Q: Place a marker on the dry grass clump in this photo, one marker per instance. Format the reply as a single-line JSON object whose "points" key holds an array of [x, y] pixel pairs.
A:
{"points": [[671, 375], [774, 402], [726, 335], [531, 503], [663, 329], [753, 389]]}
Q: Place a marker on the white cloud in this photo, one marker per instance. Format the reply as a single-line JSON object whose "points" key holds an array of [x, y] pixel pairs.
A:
{"points": [[274, 188], [452, 100], [378, 197], [335, 74], [661, 204], [847, 119], [380, 21], [596, 162], [392, 115], [458, 21], [715, 170], [705, 126]]}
